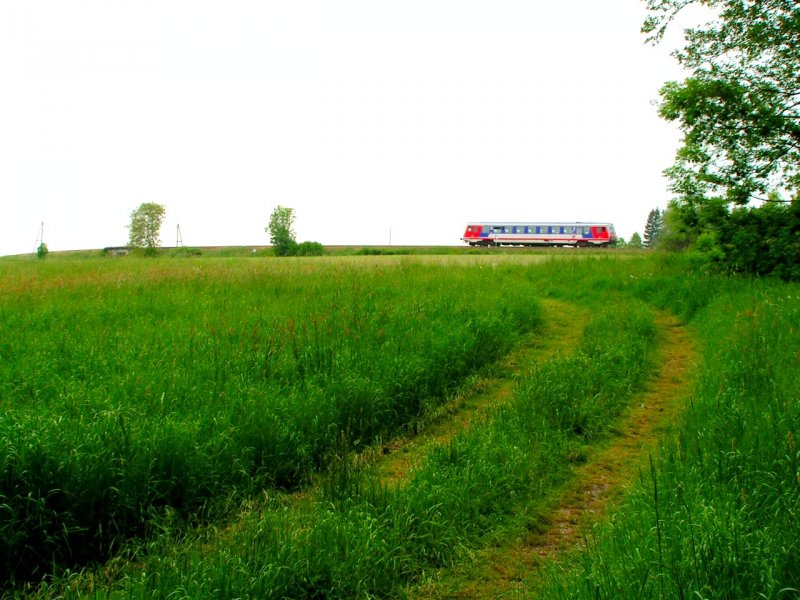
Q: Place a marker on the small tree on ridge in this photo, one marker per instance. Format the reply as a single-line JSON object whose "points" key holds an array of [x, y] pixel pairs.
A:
{"points": [[281, 234], [145, 226]]}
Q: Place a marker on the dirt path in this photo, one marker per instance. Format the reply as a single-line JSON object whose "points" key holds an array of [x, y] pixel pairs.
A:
{"points": [[563, 326], [595, 485]]}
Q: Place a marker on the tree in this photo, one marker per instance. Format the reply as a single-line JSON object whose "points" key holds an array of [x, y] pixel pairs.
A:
{"points": [[739, 109], [678, 233], [42, 250], [145, 226], [635, 241], [653, 227], [281, 234]]}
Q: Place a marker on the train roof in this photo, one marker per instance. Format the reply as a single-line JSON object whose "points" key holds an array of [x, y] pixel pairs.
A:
{"points": [[540, 223]]}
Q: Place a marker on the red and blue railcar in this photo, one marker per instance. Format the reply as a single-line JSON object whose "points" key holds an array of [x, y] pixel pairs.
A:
{"points": [[494, 233]]}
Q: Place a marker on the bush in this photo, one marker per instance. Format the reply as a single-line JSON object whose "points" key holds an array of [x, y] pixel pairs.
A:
{"points": [[309, 249], [762, 240]]}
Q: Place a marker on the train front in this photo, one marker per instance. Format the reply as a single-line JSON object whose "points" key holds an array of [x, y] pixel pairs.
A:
{"points": [[472, 234]]}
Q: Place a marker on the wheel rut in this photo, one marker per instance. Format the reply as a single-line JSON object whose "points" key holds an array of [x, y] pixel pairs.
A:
{"points": [[563, 326], [594, 487]]}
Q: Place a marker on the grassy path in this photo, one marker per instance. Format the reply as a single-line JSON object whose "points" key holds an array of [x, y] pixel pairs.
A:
{"points": [[497, 571], [509, 570], [564, 326]]}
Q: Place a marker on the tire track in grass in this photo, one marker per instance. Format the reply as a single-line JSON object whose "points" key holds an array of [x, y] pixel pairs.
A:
{"points": [[502, 571], [563, 326], [510, 570]]}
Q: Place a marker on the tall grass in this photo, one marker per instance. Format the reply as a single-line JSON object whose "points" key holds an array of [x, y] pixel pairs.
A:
{"points": [[717, 514], [141, 388], [362, 538]]}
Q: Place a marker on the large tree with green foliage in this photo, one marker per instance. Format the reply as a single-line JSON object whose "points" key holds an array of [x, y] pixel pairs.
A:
{"points": [[281, 233], [145, 226], [740, 107], [739, 111]]}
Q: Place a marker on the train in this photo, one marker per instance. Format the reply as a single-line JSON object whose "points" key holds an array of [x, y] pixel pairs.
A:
{"points": [[496, 233]]}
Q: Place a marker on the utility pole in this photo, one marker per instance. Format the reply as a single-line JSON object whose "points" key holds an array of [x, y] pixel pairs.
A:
{"points": [[179, 240], [39, 238]]}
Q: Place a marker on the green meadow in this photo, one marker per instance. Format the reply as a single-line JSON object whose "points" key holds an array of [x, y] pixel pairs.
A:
{"points": [[213, 426]]}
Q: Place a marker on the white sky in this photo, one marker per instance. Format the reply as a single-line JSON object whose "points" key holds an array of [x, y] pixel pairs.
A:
{"points": [[369, 118]]}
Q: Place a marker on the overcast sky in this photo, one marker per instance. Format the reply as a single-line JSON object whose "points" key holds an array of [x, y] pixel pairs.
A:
{"points": [[375, 121]]}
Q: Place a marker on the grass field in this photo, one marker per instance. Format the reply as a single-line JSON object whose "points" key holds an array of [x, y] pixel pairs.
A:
{"points": [[215, 426]]}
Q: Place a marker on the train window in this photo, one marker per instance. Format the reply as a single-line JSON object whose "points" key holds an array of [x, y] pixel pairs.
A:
{"points": [[497, 229]]}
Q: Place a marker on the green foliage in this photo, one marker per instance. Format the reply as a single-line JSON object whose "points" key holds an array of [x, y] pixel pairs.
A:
{"points": [[145, 226], [764, 240], [635, 241], [740, 120], [310, 249], [737, 109], [281, 233], [42, 250], [653, 228], [761, 240], [681, 226]]}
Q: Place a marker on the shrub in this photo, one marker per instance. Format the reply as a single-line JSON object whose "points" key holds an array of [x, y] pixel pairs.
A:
{"points": [[310, 249]]}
